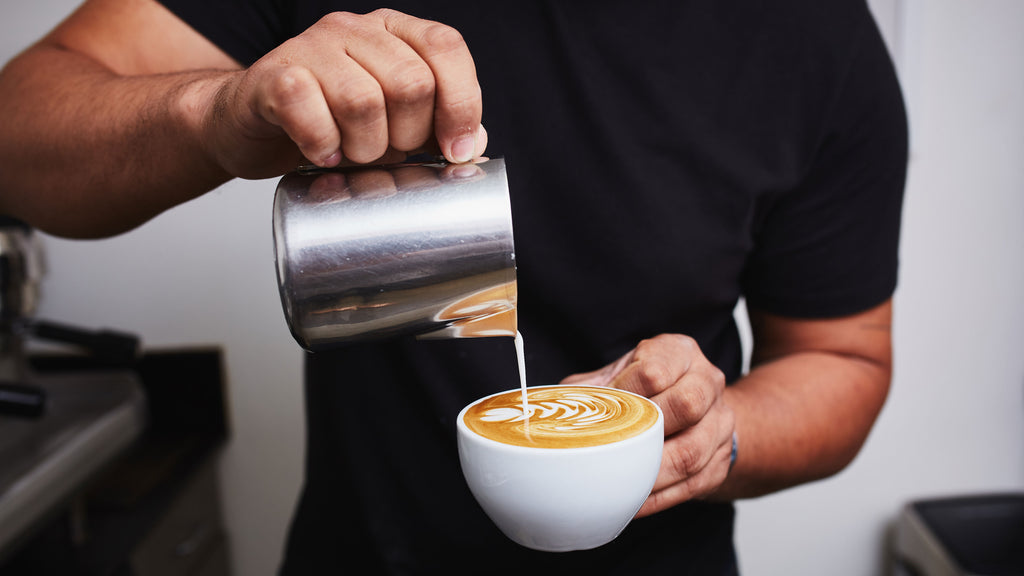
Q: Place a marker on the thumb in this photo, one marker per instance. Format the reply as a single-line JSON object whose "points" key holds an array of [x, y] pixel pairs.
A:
{"points": [[595, 378], [602, 376]]}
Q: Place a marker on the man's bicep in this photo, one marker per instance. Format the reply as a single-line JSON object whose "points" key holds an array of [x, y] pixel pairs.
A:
{"points": [[132, 37], [865, 336]]}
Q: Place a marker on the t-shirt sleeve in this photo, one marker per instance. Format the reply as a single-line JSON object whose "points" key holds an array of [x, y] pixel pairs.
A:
{"points": [[830, 247], [244, 30]]}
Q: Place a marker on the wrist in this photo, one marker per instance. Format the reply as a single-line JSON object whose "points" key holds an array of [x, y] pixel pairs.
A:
{"points": [[198, 110]]}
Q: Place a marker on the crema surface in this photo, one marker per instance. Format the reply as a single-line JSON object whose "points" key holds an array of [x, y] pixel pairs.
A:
{"points": [[561, 417]]}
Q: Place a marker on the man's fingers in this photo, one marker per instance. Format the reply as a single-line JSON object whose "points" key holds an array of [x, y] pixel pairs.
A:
{"points": [[458, 106], [292, 99], [689, 401], [603, 376], [698, 486], [406, 82], [359, 109], [481, 142], [689, 452], [354, 87], [410, 103], [689, 470], [657, 363]]}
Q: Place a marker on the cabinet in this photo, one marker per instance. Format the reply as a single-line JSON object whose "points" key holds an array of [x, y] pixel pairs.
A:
{"points": [[155, 511], [189, 540]]}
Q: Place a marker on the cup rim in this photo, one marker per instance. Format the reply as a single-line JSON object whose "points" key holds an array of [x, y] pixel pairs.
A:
{"points": [[467, 433]]}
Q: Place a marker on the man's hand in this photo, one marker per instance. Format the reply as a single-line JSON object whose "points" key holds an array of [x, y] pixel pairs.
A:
{"points": [[351, 87], [671, 370], [124, 110], [802, 413]]}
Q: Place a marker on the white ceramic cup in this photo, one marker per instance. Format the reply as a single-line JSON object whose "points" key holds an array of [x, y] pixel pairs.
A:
{"points": [[561, 499]]}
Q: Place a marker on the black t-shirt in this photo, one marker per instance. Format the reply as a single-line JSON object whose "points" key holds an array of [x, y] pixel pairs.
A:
{"points": [[664, 159]]}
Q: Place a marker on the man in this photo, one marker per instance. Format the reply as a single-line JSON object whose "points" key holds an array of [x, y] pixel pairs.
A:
{"points": [[664, 160]]}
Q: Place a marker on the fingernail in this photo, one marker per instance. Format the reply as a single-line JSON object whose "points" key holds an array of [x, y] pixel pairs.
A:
{"points": [[332, 160], [463, 148], [481, 142]]}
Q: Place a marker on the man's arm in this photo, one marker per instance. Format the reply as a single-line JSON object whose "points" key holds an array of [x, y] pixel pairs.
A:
{"points": [[801, 414], [98, 138], [813, 393], [124, 111]]}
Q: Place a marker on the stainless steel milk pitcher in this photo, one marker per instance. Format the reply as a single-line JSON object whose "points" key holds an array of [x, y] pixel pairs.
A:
{"points": [[370, 253]]}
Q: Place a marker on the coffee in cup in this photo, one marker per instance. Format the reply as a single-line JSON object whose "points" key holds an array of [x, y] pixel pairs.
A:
{"points": [[566, 470]]}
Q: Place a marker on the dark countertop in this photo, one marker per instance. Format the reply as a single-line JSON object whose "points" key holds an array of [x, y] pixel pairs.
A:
{"points": [[91, 419], [176, 397]]}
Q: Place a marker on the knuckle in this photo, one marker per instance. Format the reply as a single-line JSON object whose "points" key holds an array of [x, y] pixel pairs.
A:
{"points": [[681, 341], [361, 103], [341, 19], [645, 344], [385, 13], [668, 343], [442, 38], [705, 484], [465, 104], [696, 399], [685, 461], [718, 378], [315, 143], [647, 349], [415, 83], [668, 498], [290, 85], [361, 154], [315, 140], [687, 405], [364, 144], [713, 376], [653, 375]]}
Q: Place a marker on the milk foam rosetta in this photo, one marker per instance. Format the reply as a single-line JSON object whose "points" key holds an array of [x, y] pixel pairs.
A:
{"points": [[561, 417]]}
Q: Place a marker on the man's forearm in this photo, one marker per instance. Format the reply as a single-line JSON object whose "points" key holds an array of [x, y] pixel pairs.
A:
{"points": [[88, 153], [800, 418]]}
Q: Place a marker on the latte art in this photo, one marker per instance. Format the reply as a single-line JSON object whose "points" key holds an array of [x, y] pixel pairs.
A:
{"points": [[561, 417]]}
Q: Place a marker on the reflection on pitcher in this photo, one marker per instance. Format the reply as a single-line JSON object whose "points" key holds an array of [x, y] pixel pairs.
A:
{"points": [[489, 312]]}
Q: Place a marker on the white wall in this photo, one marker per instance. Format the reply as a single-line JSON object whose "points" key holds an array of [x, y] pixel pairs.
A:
{"points": [[202, 273]]}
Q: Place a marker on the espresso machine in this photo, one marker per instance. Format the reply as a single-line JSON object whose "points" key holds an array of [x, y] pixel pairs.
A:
{"points": [[21, 272]]}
